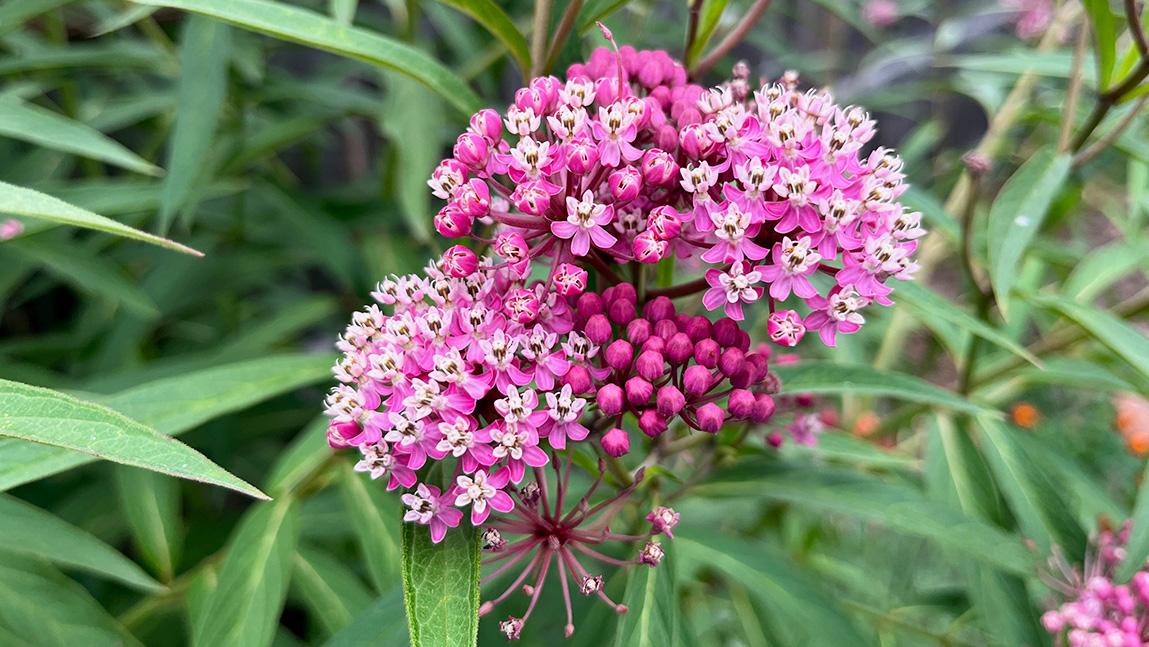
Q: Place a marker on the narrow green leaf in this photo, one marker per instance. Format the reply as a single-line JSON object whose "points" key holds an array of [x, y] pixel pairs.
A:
{"points": [[1137, 550], [329, 589], [14, 13], [441, 586], [899, 507], [125, 18], [927, 304], [315, 30], [495, 20], [116, 54], [375, 519], [1103, 267], [707, 23], [252, 585], [829, 377], [42, 607], [85, 271], [1104, 38], [413, 124], [20, 201], [28, 530], [1017, 214], [652, 618], [343, 11], [205, 49], [382, 623], [42, 127], [933, 211], [52, 418], [1121, 337], [151, 505], [595, 10], [174, 405]]}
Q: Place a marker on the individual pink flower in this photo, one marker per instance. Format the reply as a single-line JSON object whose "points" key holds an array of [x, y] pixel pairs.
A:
{"points": [[378, 462], [836, 314], [428, 507], [732, 288], [563, 411], [460, 440], [785, 328], [459, 261], [516, 444], [570, 280], [483, 493], [585, 223], [793, 262], [735, 232]]}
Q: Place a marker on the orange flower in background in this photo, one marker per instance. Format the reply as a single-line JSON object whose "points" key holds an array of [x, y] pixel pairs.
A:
{"points": [[866, 424], [1133, 421], [1025, 415]]}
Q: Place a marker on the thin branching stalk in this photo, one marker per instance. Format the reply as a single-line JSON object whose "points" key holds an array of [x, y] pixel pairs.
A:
{"points": [[732, 39], [1136, 28], [539, 36], [1074, 92], [561, 32], [1106, 140]]}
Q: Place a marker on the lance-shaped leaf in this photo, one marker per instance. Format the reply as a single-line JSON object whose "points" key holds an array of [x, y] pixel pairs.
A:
{"points": [[830, 377], [1121, 337], [488, 14], [51, 418], [441, 586], [652, 618]]}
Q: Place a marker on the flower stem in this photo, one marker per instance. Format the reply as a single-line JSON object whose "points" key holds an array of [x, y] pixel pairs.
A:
{"points": [[539, 36], [732, 39]]}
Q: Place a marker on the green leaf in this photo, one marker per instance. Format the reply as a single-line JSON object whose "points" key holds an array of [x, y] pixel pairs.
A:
{"points": [[42, 127], [28, 530], [413, 124], [306, 454], [1121, 337], [1137, 550], [792, 598], [441, 586], [205, 49], [1104, 37], [52, 418], [117, 54], [151, 505], [933, 211], [15, 13], [829, 377], [1017, 214], [652, 618], [927, 304], [495, 20], [315, 30], [899, 507], [343, 11], [382, 623], [375, 519], [20, 201], [328, 588], [175, 405], [1103, 267], [707, 23], [86, 271], [252, 585], [42, 607]]}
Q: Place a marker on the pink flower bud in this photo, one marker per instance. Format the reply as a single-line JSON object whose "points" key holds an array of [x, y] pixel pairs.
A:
{"points": [[697, 141], [521, 305], [763, 408], [759, 367], [598, 329], [621, 311], [474, 198], [665, 329], [610, 399], [650, 364], [487, 123], [10, 229], [532, 99], [710, 417], [531, 198], [511, 246], [663, 520], [657, 309], [638, 331], [731, 361], [706, 353], [582, 155], [654, 343], [669, 401], [622, 291], [649, 249], [698, 328], [472, 150], [742, 377], [664, 222], [652, 423], [619, 355], [339, 433], [725, 332], [774, 439], [652, 554], [459, 262], [804, 400], [616, 442], [579, 380], [638, 391], [741, 404], [696, 380], [588, 305], [785, 328], [658, 167], [569, 280], [548, 87], [625, 184], [450, 222], [679, 349]]}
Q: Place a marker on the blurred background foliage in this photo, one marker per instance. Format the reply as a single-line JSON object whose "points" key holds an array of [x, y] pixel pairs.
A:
{"points": [[296, 163]]}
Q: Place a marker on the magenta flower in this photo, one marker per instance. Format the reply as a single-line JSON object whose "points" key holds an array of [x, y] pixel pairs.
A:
{"points": [[585, 224], [563, 413], [785, 328], [428, 507], [10, 229], [731, 289], [793, 262], [483, 493], [837, 314]]}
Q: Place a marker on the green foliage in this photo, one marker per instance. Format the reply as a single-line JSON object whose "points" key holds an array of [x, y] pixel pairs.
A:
{"points": [[441, 586]]}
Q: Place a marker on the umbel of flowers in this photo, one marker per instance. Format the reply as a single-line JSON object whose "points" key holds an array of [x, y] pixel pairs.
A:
{"points": [[468, 387]]}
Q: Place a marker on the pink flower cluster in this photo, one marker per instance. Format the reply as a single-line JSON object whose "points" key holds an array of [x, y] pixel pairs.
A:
{"points": [[624, 161], [1099, 611]]}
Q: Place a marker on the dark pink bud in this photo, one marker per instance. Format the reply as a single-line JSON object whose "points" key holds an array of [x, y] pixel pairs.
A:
{"points": [[459, 262], [650, 364], [451, 222], [698, 328], [582, 155], [666, 137], [696, 381], [679, 349], [774, 439], [624, 291], [569, 280], [658, 167], [697, 141], [579, 380], [638, 331], [625, 184], [619, 355], [654, 343], [472, 150], [665, 329], [487, 123], [532, 99], [741, 404], [664, 222], [531, 198], [759, 367], [710, 417], [598, 329], [621, 311], [588, 305], [511, 246], [610, 399], [742, 377], [548, 87], [616, 442], [638, 391], [658, 308], [743, 343], [649, 249], [763, 408], [652, 423], [706, 353], [731, 361], [338, 433], [669, 401], [474, 198], [725, 332], [804, 400]]}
